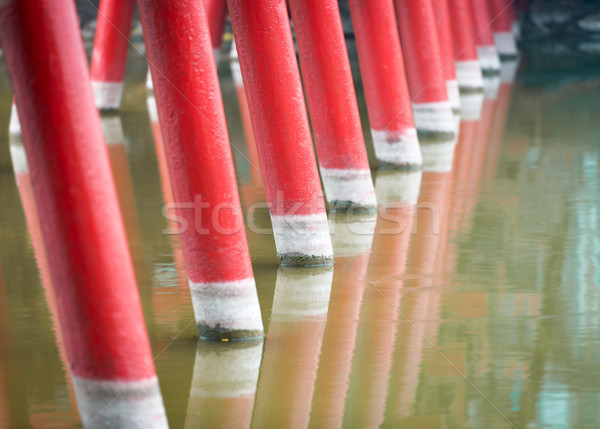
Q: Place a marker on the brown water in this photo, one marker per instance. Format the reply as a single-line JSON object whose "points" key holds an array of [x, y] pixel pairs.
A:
{"points": [[487, 316]]}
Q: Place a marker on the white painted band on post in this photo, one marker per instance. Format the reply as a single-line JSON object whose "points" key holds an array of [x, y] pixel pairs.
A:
{"points": [[397, 149], [226, 370], [306, 235], [107, 95], [434, 117], [14, 126], [236, 73], [398, 187], [354, 186], [505, 43], [301, 293], [471, 106], [352, 235], [515, 27], [438, 157], [231, 306], [508, 71], [152, 109], [491, 85], [19, 158], [468, 74], [122, 404], [149, 84], [453, 94], [112, 130], [488, 58]]}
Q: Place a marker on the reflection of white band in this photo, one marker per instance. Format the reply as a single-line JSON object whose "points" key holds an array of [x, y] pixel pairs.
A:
{"points": [[123, 404], [453, 94], [152, 112], [229, 305], [113, 130], [488, 58], [352, 235], [491, 85], [397, 148], [398, 187], [434, 117], [14, 127], [306, 235], [438, 157], [226, 370], [505, 43], [508, 71], [19, 158], [354, 186], [468, 74], [471, 104], [107, 95], [301, 293]]}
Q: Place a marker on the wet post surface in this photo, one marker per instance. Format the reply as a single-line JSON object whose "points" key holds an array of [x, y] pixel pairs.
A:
{"points": [[98, 303], [110, 52], [197, 148]]}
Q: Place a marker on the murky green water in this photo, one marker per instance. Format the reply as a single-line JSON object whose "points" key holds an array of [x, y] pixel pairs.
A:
{"points": [[472, 300]]}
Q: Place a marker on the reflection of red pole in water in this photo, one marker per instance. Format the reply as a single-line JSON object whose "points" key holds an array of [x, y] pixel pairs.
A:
{"points": [[444, 32], [293, 343], [397, 192], [110, 52], [276, 104], [224, 385], [98, 302], [12, 396], [503, 33], [332, 104], [384, 80], [195, 136], [352, 238], [216, 12], [507, 78], [468, 69], [23, 180], [486, 48], [426, 81], [421, 306]]}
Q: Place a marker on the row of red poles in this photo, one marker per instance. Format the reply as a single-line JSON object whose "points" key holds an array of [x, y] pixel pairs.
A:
{"points": [[90, 265]]}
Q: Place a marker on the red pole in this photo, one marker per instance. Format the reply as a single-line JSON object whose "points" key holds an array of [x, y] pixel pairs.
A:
{"points": [[444, 32], [98, 301], [503, 32], [275, 100], [486, 48], [216, 13], [332, 103], [468, 69], [384, 79], [196, 142], [421, 49], [110, 52]]}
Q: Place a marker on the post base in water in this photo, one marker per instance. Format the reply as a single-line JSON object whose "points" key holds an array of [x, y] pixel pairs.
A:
{"points": [[227, 310], [397, 149], [301, 260], [107, 95], [469, 76], [434, 121], [349, 189]]}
